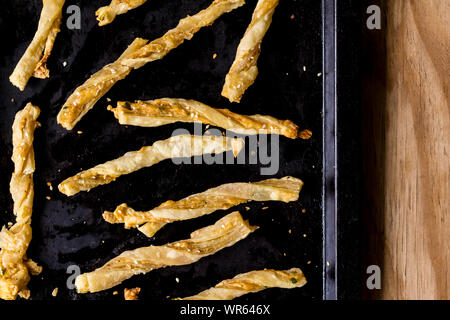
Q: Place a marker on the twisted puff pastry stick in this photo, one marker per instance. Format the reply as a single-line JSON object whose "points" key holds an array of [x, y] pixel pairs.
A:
{"points": [[15, 267], [244, 70], [138, 54], [222, 197], [107, 14], [181, 146], [203, 242], [253, 281], [33, 62], [159, 112]]}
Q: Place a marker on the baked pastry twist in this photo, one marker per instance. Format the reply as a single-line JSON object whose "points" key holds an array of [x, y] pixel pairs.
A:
{"points": [[159, 112], [181, 146], [222, 197], [107, 14], [138, 54], [203, 242], [252, 281], [33, 61], [244, 70], [15, 267]]}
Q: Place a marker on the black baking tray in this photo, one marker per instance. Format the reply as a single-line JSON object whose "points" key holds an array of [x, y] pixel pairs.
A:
{"points": [[297, 81]]}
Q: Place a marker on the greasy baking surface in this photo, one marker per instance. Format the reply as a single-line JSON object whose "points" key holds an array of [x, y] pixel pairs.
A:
{"points": [[69, 231]]}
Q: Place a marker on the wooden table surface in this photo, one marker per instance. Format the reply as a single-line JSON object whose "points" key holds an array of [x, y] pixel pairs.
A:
{"points": [[407, 149]]}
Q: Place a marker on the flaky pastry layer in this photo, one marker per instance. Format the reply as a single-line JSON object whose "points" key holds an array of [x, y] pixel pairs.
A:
{"points": [[182, 146], [15, 267], [159, 112], [222, 197], [203, 242], [244, 70], [33, 61], [107, 14], [251, 282]]}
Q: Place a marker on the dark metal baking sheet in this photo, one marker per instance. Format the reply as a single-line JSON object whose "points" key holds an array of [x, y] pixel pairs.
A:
{"points": [[71, 231]]}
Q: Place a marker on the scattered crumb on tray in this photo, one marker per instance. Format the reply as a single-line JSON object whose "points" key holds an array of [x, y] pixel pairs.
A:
{"points": [[214, 55], [131, 294], [115, 293], [55, 292], [305, 134], [48, 198], [292, 16]]}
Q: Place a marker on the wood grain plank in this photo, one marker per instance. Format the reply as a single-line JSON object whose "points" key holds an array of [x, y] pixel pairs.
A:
{"points": [[407, 150]]}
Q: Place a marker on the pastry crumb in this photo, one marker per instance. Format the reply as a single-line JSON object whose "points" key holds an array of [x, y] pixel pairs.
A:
{"points": [[55, 292], [48, 198], [177, 280], [303, 210], [80, 132], [264, 208], [304, 68], [319, 74], [305, 134], [309, 262], [290, 231], [131, 294], [292, 16], [214, 55], [115, 293], [64, 63]]}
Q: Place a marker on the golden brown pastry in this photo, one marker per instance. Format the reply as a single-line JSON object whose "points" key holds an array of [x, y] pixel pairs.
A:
{"points": [[131, 294], [244, 70], [253, 281], [222, 197], [15, 267], [181, 146], [203, 242], [107, 14], [33, 62], [138, 54], [159, 112]]}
